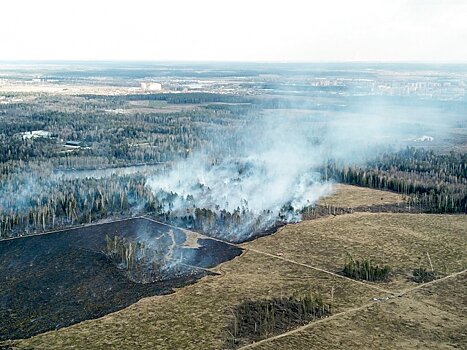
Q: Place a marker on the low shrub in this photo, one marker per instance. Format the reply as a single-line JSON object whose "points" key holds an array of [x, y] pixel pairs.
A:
{"points": [[422, 275]]}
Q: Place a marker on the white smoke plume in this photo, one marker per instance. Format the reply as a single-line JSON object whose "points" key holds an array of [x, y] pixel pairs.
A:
{"points": [[275, 167]]}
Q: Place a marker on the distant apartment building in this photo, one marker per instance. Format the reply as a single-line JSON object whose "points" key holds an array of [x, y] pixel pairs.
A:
{"points": [[151, 86]]}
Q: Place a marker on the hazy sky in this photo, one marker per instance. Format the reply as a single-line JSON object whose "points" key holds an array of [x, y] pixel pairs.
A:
{"points": [[285, 30]]}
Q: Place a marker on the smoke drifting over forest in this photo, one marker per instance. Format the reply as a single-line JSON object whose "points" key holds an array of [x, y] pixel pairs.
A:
{"points": [[231, 165], [266, 171]]}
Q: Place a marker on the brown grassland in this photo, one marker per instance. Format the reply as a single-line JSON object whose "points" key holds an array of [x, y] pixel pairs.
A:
{"points": [[308, 256], [401, 241], [348, 196], [428, 318]]}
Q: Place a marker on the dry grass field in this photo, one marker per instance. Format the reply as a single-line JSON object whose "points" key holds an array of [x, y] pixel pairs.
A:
{"points": [[429, 318], [348, 196], [401, 241], [308, 257], [159, 107]]}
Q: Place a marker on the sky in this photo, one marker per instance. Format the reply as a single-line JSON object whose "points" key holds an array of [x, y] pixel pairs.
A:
{"points": [[240, 30]]}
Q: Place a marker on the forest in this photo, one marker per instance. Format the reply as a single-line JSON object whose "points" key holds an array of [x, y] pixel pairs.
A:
{"points": [[114, 132], [436, 183]]}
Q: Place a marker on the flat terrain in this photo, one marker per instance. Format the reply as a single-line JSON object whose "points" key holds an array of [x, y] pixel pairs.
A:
{"points": [[401, 241], [54, 280], [195, 317], [429, 318], [308, 257], [65, 89], [348, 196], [158, 107]]}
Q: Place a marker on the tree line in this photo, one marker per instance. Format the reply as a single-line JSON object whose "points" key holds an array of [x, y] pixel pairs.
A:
{"points": [[434, 181]]}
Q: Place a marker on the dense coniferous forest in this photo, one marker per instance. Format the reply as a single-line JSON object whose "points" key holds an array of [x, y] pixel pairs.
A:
{"points": [[437, 183], [103, 160]]}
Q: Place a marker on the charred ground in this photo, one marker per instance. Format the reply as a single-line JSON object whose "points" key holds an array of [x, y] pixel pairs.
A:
{"points": [[54, 280]]}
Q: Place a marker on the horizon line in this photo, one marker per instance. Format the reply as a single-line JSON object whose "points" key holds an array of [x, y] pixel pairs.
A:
{"points": [[447, 62]]}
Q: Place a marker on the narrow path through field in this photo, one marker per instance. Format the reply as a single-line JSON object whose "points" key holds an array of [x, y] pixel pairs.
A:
{"points": [[322, 270], [313, 323], [270, 255], [281, 258], [427, 284]]}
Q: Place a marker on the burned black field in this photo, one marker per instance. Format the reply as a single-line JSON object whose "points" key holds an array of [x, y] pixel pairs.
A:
{"points": [[54, 280]]}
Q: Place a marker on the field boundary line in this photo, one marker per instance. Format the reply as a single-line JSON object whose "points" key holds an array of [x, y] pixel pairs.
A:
{"points": [[428, 284], [71, 228], [323, 270], [278, 257], [313, 323], [193, 232], [309, 325]]}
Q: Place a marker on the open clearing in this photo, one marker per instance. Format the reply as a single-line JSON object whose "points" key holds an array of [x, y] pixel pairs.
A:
{"points": [[154, 106], [348, 196], [308, 257], [401, 241], [428, 318]]}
